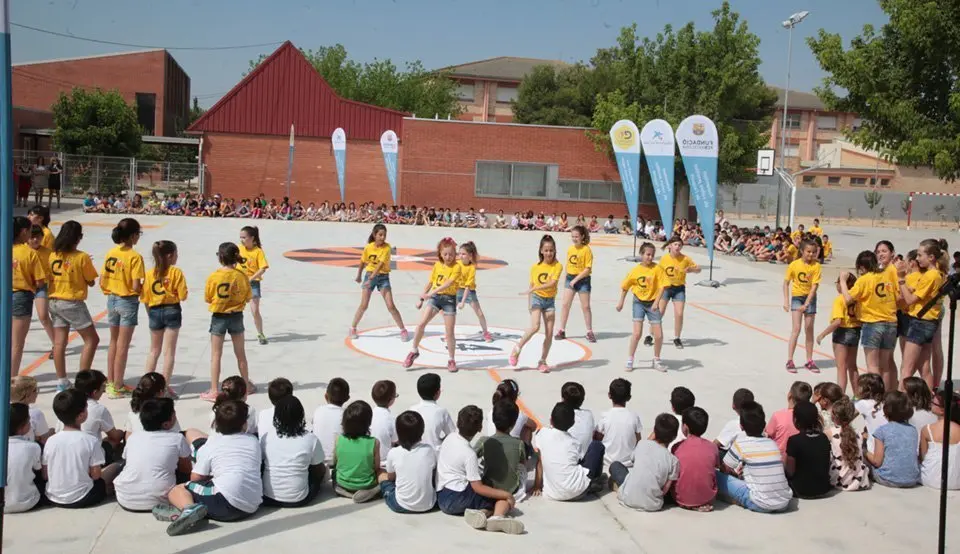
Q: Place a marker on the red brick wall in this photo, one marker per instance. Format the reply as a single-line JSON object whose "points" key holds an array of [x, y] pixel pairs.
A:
{"points": [[243, 166]]}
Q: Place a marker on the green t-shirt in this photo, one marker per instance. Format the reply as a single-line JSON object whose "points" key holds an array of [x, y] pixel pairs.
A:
{"points": [[355, 464], [502, 456]]}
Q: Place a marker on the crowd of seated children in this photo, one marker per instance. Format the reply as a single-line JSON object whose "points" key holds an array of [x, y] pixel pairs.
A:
{"points": [[780, 245]]}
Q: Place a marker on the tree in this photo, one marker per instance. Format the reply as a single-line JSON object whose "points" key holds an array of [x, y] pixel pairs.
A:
{"points": [[901, 80], [96, 123], [553, 95], [413, 89], [872, 198]]}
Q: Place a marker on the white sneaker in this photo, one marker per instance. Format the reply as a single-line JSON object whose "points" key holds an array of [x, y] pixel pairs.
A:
{"points": [[475, 518], [658, 365], [504, 524], [629, 365]]}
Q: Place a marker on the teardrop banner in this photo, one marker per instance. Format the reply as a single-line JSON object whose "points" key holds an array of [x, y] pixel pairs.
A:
{"points": [[625, 138], [389, 145], [339, 140], [660, 150], [699, 149]]}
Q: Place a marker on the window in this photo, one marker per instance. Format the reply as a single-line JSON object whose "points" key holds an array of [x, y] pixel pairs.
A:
{"points": [[827, 122], [809, 179], [529, 180], [791, 151], [493, 179], [857, 123], [858, 181], [835, 181], [506, 95], [604, 191], [466, 92], [507, 179], [793, 120], [884, 182], [146, 111], [873, 181]]}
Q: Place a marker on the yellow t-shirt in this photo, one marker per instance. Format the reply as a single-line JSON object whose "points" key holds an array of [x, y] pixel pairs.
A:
{"points": [[47, 240], [254, 261], [28, 271], [468, 276], [227, 291], [803, 276], [122, 267], [70, 275], [827, 248], [925, 285], [816, 230], [645, 282], [579, 258], [891, 272], [795, 236], [791, 251], [376, 256], [676, 269], [541, 274], [44, 254], [842, 312], [442, 273], [172, 289], [877, 295]]}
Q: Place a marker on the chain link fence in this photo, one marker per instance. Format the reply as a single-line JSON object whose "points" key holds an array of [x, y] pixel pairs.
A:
{"points": [[107, 174]]}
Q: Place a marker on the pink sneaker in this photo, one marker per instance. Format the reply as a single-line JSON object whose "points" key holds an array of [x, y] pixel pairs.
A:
{"points": [[591, 337], [542, 367], [404, 335], [408, 361], [514, 357], [811, 366], [791, 367], [487, 336], [209, 396], [452, 366]]}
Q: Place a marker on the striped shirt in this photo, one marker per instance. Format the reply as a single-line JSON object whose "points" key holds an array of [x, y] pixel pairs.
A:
{"points": [[759, 457]]}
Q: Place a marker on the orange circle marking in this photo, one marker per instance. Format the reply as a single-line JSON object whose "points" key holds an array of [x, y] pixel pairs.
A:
{"points": [[402, 259]]}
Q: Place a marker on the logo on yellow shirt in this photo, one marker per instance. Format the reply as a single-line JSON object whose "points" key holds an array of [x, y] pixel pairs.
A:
{"points": [[574, 259], [542, 278], [802, 277], [881, 290], [223, 290], [159, 287], [112, 265]]}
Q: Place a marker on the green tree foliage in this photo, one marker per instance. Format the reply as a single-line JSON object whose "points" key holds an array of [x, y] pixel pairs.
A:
{"points": [[381, 83], [902, 81], [553, 95], [96, 123]]}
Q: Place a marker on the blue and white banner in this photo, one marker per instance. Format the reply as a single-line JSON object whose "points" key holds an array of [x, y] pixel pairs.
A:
{"points": [[660, 150], [389, 145], [339, 140], [699, 149], [625, 138]]}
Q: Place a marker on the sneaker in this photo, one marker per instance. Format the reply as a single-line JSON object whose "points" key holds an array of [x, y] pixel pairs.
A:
{"points": [[487, 336], [352, 333], [678, 343], [189, 518], [262, 339], [411, 357], [596, 485], [648, 341], [791, 368], [209, 396], [542, 367], [452, 366], [629, 365], [63, 385], [514, 357], [172, 394], [658, 365], [811, 366], [342, 492], [128, 389], [476, 519], [404, 335], [561, 335], [366, 495], [166, 512], [591, 337], [504, 524], [114, 393]]}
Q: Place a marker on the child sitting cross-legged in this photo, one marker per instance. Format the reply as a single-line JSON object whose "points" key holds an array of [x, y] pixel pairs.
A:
{"points": [[808, 459], [654, 472], [503, 454], [896, 444], [278, 388], [328, 418], [356, 455], [99, 422], [697, 485], [561, 475], [24, 485], [293, 467], [407, 484], [24, 389]]}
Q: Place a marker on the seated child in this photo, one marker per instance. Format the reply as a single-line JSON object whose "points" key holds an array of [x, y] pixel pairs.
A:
{"points": [[24, 459], [696, 487], [24, 390], [407, 484], [152, 385], [98, 422], [383, 427], [225, 483], [235, 388], [328, 418], [780, 427], [154, 455], [681, 399], [643, 487], [356, 455], [460, 488], [808, 462], [871, 391], [619, 427], [561, 474], [573, 394], [751, 474], [895, 446], [732, 429], [824, 396], [504, 455], [293, 467], [277, 389], [438, 424], [524, 427], [848, 470]]}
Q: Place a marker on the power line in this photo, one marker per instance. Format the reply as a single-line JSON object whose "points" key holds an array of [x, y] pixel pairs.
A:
{"points": [[112, 43]]}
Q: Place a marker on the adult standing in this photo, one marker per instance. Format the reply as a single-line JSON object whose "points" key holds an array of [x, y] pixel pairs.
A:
{"points": [[54, 181], [41, 176], [24, 182]]}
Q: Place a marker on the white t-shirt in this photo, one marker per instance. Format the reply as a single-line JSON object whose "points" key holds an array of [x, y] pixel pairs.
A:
{"points": [[98, 422], [563, 476], [265, 422], [251, 421], [489, 429], [286, 465], [68, 457], [150, 469], [620, 427], [38, 424], [134, 424], [234, 463], [415, 469], [327, 426], [609, 224], [680, 435], [437, 423], [729, 433], [23, 458], [383, 427], [922, 418], [582, 430], [872, 421], [457, 464]]}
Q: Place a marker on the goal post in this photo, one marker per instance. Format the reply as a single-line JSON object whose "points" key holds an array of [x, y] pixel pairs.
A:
{"points": [[915, 193]]}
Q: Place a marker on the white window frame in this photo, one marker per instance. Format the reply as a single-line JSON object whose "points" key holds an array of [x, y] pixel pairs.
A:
{"points": [[461, 92], [513, 91], [794, 121], [827, 122]]}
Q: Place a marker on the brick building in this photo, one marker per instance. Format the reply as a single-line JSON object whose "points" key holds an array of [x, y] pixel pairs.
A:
{"points": [[151, 80], [487, 88]]}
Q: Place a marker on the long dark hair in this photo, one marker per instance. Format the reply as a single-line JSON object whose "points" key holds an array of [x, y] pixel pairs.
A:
{"points": [[844, 413], [547, 239], [288, 417], [229, 254], [867, 262], [584, 233], [162, 250], [69, 237], [125, 230], [43, 212], [376, 229], [508, 389], [151, 385], [254, 233]]}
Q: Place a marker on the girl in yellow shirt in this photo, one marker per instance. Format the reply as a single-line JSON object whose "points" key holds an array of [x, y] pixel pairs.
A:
{"points": [[542, 295], [917, 289], [71, 274], [374, 274], [40, 216], [164, 289], [647, 282], [467, 287], [675, 265], [440, 295], [227, 292], [121, 280], [254, 266], [895, 268], [28, 275], [800, 285], [845, 330], [579, 270], [40, 299]]}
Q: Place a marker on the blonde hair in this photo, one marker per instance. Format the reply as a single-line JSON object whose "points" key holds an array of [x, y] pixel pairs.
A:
{"points": [[21, 388]]}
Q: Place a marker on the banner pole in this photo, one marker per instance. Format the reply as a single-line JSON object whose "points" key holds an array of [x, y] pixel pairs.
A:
{"points": [[6, 238]]}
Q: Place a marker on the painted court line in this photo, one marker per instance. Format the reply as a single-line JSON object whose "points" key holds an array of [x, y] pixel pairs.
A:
{"points": [[43, 359]]}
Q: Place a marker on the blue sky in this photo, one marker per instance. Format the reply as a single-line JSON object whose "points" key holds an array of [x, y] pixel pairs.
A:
{"points": [[438, 32]]}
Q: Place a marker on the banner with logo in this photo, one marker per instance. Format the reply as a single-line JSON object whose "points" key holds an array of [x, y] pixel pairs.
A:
{"points": [[659, 148], [626, 147], [389, 146], [699, 148], [339, 140]]}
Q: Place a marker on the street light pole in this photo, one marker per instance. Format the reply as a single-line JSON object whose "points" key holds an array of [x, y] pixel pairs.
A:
{"points": [[789, 24]]}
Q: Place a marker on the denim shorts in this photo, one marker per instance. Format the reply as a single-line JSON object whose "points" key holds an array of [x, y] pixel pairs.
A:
{"points": [[123, 311], [903, 322], [218, 508], [583, 285], [676, 293], [446, 303], [22, 304], [41, 291], [846, 336], [796, 302], [70, 314], [388, 489], [921, 331], [255, 289], [455, 503], [881, 334], [471, 296], [165, 316], [223, 324], [645, 310], [380, 281], [543, 304]]}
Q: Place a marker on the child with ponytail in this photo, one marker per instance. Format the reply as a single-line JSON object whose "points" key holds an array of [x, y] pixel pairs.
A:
{"points": [[917, 289], [28, 276], [374, 274], [440, 295], [151, 386], [254, 265], [848, 471], [165, 288], [122, 280], [467, 287], [227, 292]]}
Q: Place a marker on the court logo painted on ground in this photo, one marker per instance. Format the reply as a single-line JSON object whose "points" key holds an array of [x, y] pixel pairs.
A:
{"points": [[472, 351], [401, 259]]}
